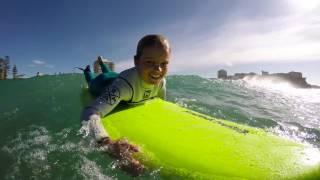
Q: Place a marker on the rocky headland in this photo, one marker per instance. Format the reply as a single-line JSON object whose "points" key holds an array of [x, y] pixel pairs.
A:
{"points": [[294, 78]]}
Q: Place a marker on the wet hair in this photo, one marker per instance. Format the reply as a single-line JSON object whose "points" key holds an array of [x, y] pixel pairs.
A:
{"points": [[152, 40]]}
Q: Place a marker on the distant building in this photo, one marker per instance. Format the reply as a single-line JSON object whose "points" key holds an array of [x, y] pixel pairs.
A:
{"points": [[222, 74], [264, 73], [239, 75], [96, 66], [295, 75]]}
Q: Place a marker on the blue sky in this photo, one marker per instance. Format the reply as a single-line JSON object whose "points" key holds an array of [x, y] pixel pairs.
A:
{"points": [[237, 35]]}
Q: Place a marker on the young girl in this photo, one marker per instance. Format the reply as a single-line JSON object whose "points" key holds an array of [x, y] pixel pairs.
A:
{"points": [[144, 81]]}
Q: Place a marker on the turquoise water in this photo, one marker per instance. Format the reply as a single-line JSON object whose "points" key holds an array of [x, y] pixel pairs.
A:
{"points": [[39, 132]]}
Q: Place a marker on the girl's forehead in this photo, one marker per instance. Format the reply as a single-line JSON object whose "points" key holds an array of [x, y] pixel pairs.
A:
{"points": [[155, 51]]}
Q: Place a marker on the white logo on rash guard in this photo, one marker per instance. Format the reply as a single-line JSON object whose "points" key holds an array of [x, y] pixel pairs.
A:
{"points": [[146, 94], [111, 95]]}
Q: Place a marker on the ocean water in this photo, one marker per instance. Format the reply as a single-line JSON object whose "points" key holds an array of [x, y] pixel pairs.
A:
{"points": [[40, 138]]}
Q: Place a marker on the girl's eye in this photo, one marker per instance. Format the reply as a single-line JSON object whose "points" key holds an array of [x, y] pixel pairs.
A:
{"points": [[164, 64], [149, 62]]}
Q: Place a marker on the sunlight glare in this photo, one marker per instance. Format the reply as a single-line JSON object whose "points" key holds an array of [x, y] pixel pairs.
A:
{"points": [[304, 6]]}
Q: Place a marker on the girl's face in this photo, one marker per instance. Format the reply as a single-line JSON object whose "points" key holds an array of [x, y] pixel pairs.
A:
{"points": [[152, 65]]}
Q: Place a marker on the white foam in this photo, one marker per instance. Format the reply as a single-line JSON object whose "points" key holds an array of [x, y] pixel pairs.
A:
{"points": [[90, 170], [33, 145]]}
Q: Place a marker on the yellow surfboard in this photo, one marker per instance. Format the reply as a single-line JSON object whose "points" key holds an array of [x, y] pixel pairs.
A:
{"points": [[186, 144]]}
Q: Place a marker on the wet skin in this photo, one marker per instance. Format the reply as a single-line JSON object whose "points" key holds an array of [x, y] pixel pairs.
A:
{"points": [[122, 151]]}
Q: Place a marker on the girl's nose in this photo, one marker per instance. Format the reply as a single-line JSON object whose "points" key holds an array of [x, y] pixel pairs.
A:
{"points": [[157, 67]]}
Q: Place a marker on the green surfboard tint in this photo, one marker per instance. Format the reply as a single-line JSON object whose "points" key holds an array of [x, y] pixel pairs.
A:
{"points": [[183, 143]]}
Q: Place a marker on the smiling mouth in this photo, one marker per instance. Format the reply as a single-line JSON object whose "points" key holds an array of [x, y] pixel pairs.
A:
{"points": [[155, 76]]}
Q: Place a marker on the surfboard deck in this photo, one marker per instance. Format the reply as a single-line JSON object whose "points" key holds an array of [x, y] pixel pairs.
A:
{"points": [[183, 143]]}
